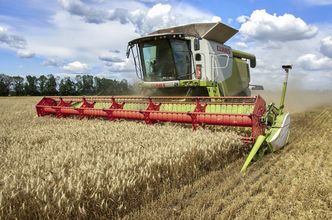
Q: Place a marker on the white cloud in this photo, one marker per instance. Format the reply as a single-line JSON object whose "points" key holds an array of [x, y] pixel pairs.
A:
{"points": [[216, 19], [101, 41], [159, 10], [263, 26], [241, 44], [121, 70], [272, 54], [144, 19], [70, 38], [114, 51], [148, 20], [175, 16], [76, 67], [52, 62], [25, 54], [313, 62], [326, 46], [242, 19], [272, 45], [91, 15], [125, 66], [111, 57], [12, 40]]}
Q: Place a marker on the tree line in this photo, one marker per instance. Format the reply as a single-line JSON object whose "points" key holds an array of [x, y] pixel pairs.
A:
{"points": [[50, 85]]}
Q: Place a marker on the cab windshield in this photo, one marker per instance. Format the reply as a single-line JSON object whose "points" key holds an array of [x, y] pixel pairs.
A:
{"points": [[165, 60]]}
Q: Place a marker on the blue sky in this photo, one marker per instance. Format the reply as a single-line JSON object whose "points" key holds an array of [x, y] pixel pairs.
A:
{"points": [[68, 37], [309, 12]]}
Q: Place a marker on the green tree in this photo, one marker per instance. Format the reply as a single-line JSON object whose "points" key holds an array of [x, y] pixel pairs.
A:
{"points": [[18, 85], [105, 86], [88, 88], [67, 87], [5, 83], [79, 84], [42, 80], [101, 86], [124, 87], [51, 86], [31, 85]]}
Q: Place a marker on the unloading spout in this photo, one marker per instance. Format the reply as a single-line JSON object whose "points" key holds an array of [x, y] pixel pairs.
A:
{"points": [[249, 56]]}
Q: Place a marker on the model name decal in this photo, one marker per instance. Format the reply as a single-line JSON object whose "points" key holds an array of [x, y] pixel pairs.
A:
{"points": [[160, 85], [223, 49]]}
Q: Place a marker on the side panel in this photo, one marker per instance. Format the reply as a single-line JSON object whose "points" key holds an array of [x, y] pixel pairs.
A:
{"points": [[220, 57], [216, 60], [239, 80], [232, 74]]}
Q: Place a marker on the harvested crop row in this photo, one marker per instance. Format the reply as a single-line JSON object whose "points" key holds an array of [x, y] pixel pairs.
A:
{"points": [[55, 168], [293, 183]]}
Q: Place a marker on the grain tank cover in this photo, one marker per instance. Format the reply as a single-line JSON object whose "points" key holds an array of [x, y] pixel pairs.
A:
{"points": [[218, 32]]}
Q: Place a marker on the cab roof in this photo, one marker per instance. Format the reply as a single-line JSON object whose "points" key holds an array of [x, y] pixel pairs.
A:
{"points": [[218, 32], [211, 31]]}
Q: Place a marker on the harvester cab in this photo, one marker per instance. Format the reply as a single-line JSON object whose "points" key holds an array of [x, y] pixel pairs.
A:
{"points": [[191, 60], [203, 82]]}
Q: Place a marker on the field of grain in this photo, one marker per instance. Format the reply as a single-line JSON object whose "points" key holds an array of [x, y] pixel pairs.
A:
{"points": [[54, 168], [294, 183], [95, 169]]}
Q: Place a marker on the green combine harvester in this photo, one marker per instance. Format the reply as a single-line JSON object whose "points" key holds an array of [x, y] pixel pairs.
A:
{"points": [[192, 60], [188, 75]]}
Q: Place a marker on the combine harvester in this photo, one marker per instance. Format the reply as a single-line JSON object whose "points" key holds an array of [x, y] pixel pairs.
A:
{"points": [[188, 75]]}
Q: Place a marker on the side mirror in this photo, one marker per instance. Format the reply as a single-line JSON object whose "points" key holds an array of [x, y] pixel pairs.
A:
{"points": [[196, 44]]}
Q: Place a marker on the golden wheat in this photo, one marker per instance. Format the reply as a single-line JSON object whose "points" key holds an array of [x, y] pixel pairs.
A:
{"points": [[66, 168], [293, 183]]}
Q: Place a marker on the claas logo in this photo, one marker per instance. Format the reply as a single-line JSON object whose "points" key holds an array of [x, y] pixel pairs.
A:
{"points": [[223, 49], [160, 85]]}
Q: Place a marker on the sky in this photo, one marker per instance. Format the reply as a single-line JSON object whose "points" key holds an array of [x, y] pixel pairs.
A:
{"points": [[68, 37]]}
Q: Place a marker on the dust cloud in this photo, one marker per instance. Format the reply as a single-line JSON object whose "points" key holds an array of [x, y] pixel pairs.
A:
{"points": [[298, 100]]}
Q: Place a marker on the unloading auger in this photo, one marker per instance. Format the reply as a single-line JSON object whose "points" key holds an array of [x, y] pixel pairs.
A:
{"points": [[195, 79]]}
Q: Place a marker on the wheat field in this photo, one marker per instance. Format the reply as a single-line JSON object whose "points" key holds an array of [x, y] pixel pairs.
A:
{"points": [[96, 169], [293, 183]]}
